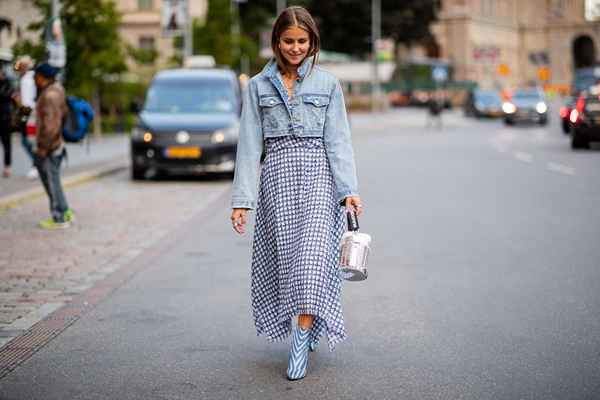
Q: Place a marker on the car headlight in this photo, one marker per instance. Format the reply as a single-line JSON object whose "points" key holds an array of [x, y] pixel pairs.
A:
{"points": [[509, 108], [227, 135], [541, 107]]}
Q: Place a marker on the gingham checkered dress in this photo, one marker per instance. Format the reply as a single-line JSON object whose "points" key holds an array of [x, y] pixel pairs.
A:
{"points": [[299, 225]]}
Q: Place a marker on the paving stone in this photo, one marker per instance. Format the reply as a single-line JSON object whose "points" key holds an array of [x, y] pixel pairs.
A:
{"points": [[45, 267]]}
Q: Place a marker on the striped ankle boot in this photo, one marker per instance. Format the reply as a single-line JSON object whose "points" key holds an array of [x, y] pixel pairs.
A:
{"points": [[298, 354]]}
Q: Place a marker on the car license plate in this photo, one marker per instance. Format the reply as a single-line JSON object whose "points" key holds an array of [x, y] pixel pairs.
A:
{"points": [[183, 152]]}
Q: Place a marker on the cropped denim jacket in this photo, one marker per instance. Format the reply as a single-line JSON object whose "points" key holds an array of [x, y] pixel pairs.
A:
{"points": [[316, 109]]}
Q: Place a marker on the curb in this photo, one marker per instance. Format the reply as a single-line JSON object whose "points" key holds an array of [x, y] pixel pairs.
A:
{"points": [[16, 199]]}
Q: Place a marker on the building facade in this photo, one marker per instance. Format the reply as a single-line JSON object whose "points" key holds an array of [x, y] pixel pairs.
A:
{"points": [[140, 26], [19, 14], [507, 43]]}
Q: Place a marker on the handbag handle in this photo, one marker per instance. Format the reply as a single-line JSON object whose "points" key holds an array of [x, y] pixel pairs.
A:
{"points": [[352, 221]]}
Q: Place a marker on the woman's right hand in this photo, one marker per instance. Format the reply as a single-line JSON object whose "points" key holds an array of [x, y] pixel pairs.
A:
{"points": [[238, 220]]}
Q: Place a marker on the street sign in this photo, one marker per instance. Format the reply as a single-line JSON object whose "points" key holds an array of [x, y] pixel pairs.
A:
{"points": [[173, 17], [439, 73], [543, 74], [503, 69], [55, 44]]}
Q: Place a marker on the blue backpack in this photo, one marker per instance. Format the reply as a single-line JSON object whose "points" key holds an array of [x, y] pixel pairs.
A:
{"points": [[78, 120]]}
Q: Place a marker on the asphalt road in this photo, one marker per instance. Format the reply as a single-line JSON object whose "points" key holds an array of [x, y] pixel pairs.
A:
{"points": [[484, 284]]}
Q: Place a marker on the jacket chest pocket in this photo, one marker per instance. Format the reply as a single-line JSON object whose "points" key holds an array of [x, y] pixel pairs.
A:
{"points": [[315, 108], [274, 113]]}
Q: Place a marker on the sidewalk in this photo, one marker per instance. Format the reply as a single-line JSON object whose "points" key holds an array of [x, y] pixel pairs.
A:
{"points": [[85, 161]]}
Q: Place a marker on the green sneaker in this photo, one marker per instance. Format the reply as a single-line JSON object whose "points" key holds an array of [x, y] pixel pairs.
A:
{"points": [[69, 215], [50, 224]]}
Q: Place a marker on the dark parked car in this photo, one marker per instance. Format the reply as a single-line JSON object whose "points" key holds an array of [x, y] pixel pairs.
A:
{"points": [[565, 113], [483, 103], [189, 123], [526, 105], [585, 119]]}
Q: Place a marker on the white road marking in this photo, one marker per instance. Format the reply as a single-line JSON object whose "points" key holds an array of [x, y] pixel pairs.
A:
{"points": [[560, 168], [500, 147], [522, 156]]}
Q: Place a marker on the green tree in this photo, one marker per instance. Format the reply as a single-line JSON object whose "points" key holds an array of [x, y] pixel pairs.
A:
{"points": [[94, 47], [345, 25], [214, 37]]}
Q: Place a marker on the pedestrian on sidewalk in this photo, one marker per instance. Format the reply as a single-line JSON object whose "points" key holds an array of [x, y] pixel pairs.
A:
{"points": [[51, 111], [25, 100], [294, 111], [435, 107], [6, 93]]}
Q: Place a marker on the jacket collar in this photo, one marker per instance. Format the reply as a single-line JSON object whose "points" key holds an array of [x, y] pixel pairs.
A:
{"points": [[270, 70]]}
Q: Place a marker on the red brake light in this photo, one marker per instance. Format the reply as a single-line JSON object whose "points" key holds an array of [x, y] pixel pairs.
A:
{"points": [[580, 104], [563, 111]]}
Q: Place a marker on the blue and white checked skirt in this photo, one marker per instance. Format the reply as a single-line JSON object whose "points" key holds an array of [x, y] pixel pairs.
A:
{"points": [[299, 225]]}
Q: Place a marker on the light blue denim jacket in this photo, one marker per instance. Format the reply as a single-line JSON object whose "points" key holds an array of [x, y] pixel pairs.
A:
{"points": [[317, 109]]}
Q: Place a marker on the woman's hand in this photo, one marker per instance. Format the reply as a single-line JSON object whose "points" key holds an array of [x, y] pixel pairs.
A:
{"points": [[238, 220], [354, 203]]}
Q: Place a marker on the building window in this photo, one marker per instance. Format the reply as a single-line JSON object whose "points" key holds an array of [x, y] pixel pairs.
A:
{"points": [[146, 43], [145, 4], [592, 10], [146, 53]]}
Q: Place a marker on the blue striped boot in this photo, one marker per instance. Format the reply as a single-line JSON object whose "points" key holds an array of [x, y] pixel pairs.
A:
{"points": [[298, 354]]}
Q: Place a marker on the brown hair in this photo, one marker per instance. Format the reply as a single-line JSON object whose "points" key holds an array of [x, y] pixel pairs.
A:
{"points": [[300, 17]]}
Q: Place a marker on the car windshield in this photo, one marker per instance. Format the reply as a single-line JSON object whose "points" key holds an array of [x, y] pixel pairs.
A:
{"points": [[531, 96], [489, 97], [182, 97]]}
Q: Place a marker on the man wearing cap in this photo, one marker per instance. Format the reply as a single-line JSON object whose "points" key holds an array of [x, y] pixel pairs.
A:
{"points": [[51, 111], [25, 101]]}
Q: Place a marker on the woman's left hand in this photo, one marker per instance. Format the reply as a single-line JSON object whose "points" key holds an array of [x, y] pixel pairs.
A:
{"points": [[354, 203]]}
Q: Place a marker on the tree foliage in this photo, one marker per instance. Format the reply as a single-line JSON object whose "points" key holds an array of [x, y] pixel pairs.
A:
{"points": [[214, 37], [345, 25], [94, 47]]}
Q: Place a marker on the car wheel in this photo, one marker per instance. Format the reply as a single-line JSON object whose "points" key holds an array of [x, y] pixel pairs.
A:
{"points": [[577, 142], [508, 121], [544, 121], [137, 173], [566, 127]]}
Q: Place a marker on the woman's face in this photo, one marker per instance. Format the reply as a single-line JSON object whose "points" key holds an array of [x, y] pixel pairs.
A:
{"points": [[294, 44]]}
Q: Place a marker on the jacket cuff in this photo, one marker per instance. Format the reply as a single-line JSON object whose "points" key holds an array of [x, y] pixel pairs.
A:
{"points": [[343, 195], [242, 203]]}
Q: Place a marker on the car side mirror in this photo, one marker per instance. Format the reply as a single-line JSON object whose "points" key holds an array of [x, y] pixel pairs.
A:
{"points": [[134, 107]]}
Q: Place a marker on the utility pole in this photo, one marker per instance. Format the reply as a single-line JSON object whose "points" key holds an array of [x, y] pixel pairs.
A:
{"points": [[281, 5], [55, 8], [375, 36], [235, 31], [187, 35]]}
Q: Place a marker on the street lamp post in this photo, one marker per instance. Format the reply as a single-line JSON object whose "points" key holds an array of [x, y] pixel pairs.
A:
{"points": [[236, 52], [375, 36], [55, 8], [281, 5], [187, 34]]}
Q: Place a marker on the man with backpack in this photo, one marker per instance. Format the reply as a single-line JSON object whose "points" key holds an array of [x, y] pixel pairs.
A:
{"points": [[51, 111]]}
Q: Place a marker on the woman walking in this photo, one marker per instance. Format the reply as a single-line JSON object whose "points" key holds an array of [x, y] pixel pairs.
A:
{"points": [[294, 113]]}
